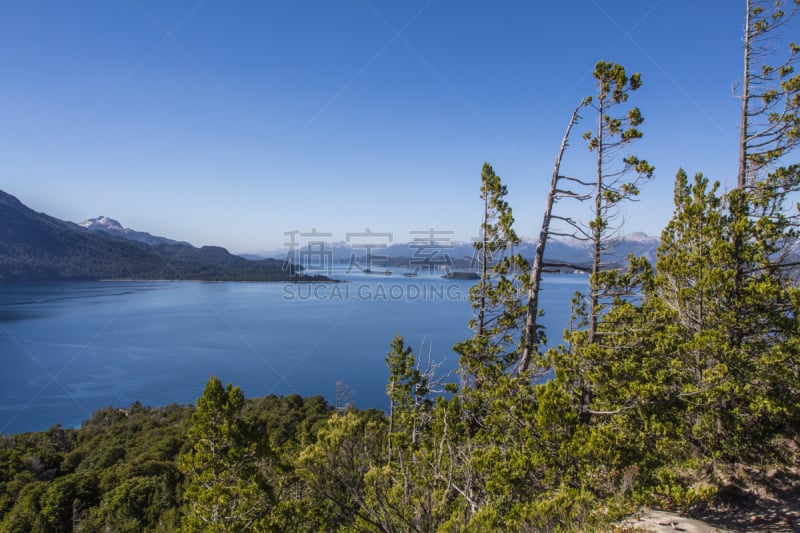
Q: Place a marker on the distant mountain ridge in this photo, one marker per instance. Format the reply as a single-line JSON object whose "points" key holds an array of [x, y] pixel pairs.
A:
{"points": [[37, 247], [558, 250]]}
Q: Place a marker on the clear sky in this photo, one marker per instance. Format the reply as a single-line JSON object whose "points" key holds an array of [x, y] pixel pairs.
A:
{"points": [[230, 123]]}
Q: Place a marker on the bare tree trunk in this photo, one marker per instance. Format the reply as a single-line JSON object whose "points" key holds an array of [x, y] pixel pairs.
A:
{"points": [[597, 230], [391, 426], [741, 181], [594, 291], [532, 314], [481, 329], [742, 176]]}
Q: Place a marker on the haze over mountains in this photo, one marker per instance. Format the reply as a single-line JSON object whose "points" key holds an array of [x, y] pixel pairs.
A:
{"points": [[462, 254], [37, 247]]}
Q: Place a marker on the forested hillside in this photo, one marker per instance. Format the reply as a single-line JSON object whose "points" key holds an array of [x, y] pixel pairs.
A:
{"points": [[36, 247], [120, 470]]}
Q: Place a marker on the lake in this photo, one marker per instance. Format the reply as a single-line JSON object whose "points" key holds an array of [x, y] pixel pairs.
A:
{"points": [[69, 348]]}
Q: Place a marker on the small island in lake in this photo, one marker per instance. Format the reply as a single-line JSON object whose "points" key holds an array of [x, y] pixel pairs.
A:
{"points": [[382, 272], [461, 275]]}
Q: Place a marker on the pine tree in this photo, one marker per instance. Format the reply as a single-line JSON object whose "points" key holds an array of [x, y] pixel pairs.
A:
{"points": [[492, 465], [770, 110], [497, 297], [409, 388], [736, 326], [614, 183], [227, 489]]}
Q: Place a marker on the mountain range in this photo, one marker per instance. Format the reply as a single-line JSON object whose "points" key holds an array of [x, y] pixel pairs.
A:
{"points": [[35, 247], [461, 255]]}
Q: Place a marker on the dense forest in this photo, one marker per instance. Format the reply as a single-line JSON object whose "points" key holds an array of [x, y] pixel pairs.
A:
{"points": [[675, 386]]}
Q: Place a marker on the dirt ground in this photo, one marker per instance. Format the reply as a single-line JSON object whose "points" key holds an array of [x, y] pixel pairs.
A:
{"points": [[751, 501], [654, 520]]}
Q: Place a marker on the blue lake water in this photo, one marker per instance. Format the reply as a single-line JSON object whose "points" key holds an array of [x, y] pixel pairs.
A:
{"points": [[69, 348]]}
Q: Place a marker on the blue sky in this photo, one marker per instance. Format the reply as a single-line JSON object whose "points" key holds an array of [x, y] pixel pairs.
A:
{"points": [[231, 123]]}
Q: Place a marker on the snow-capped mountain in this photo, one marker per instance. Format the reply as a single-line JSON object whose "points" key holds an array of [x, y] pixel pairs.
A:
{"points": [[113, 227], [37, 247]]}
